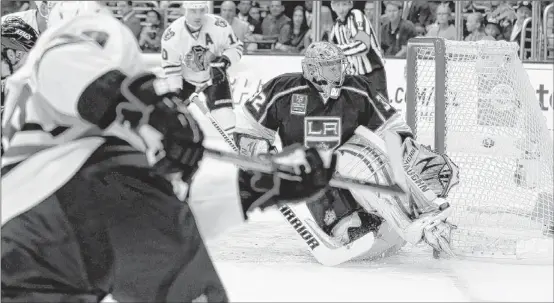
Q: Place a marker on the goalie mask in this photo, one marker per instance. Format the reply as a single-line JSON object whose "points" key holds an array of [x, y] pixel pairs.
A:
{"points": [[325, 66]]}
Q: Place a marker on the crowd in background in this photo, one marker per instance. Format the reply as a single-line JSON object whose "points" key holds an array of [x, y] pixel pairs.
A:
{"points": [[286, 26]]}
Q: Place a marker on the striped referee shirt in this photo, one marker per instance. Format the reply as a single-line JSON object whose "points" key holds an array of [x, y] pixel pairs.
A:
{"points": [[363, 57]]}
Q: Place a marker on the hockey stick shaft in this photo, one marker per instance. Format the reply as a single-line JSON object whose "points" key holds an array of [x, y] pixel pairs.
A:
{"points": [[267, 167]]}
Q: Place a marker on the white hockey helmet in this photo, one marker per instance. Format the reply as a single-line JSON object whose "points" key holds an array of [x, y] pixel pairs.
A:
{"points": [[65, 10], [195, 4]]}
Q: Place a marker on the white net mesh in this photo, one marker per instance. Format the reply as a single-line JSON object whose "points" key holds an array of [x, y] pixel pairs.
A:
{"points": [[495, 132]]}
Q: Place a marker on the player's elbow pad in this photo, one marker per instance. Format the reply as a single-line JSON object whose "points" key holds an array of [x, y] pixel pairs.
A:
{"points": [[97, 104]]}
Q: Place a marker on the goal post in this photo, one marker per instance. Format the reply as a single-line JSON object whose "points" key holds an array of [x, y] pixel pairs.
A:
{"points": [[474, 102]]}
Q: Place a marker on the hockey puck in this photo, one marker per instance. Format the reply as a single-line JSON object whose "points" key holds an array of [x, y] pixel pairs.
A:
{"points": [[488, 142]]}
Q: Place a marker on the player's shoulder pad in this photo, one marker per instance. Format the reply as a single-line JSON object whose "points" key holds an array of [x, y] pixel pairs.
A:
{"points": [[217, 21], [273, 90], [286, 82], [175, 27], [356, 81], [362, 83]]}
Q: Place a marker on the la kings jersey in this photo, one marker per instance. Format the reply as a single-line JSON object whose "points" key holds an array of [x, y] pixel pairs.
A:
{"points": [[188, 55], [46, 100], [290, 105]]}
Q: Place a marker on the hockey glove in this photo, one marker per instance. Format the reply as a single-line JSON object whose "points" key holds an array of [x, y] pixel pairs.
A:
{"points": [[153, 111], [300, 176], [218, 69]]}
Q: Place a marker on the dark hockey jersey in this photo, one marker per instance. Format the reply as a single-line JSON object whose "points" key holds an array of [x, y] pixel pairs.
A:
{"points": [[114, 227], [292, 107]]}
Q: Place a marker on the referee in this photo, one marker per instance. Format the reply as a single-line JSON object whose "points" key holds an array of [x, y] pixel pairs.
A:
{"points": [[353, 33]]}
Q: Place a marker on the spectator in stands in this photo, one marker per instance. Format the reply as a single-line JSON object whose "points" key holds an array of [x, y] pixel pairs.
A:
{"points": [[418, 12], [297, 33], [129, 18], [369, 10], [420, 30], [255, 19], [264, 8], [244, 8], [308, 6], [523, 12], [493, 30], [504, 15], [442, 28], [396, 32], [276, 25], [241, 28], [476, 6], [150, 39], [476, 28], [326, 22]]}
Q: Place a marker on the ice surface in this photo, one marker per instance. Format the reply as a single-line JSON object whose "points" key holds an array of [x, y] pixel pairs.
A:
{"points": [[264, 260]]}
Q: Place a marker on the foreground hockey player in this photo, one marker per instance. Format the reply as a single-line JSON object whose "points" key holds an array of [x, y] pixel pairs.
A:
{"points": [[197, 50], [88, 214], [323, 107]]}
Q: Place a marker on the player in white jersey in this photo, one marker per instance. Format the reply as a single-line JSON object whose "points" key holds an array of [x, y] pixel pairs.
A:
{"points": [[28, 122], [84, 213], [197, 49]]}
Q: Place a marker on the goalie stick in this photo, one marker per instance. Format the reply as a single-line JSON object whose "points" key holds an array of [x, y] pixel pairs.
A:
{"points": [[326, 250]]}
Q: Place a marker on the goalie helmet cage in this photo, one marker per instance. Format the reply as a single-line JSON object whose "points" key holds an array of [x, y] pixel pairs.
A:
{"points": [[474, 102]]}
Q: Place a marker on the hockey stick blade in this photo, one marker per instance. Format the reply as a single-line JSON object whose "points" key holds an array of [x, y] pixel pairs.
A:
{"points": [[326, 250], [267, 167]]}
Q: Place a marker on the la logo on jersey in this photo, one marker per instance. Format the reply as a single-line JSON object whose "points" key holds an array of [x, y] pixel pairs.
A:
{"points": [[323, 133], [298, 104]]}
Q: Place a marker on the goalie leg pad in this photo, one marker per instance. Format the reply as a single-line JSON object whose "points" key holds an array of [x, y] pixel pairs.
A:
{"points": [[429, 175], [371, 163]]}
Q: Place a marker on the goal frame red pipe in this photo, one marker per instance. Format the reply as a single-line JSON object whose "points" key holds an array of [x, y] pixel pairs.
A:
{"points": [[440, 88]]}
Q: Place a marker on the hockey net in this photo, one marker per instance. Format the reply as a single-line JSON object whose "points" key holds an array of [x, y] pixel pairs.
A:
{"points": [[474, 101]]}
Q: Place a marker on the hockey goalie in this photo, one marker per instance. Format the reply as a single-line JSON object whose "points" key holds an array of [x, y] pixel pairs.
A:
{"points": [[323, 107]]}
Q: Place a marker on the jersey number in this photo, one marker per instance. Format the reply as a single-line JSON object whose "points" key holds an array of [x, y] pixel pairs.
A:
{"points": [[257, 104], [233, 41], [164, 54]]}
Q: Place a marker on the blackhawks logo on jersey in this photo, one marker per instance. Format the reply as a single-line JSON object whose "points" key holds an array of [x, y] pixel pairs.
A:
{"points": [[196, 59], [323, 133], [220, 22], [169, 34]]}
